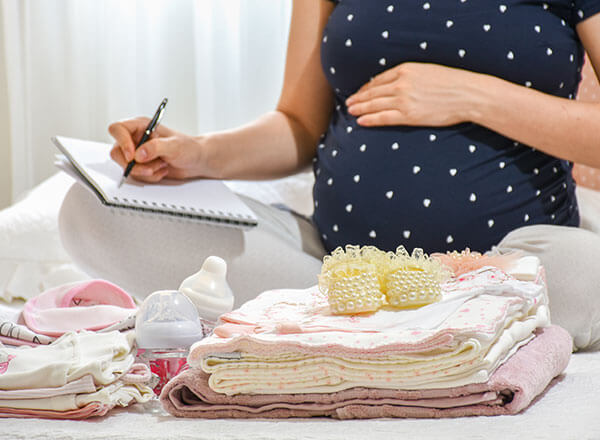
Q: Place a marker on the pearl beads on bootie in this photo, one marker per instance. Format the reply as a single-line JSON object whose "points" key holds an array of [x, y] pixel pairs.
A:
{"points": [[411, 288], [354, 288], [362, 280]]}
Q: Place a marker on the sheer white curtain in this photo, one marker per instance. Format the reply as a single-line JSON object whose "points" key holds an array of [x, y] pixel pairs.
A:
{"points": [[73, 66]]}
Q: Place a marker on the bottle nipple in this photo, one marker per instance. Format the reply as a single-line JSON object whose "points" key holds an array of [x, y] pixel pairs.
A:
{"points": [[208, 289]]}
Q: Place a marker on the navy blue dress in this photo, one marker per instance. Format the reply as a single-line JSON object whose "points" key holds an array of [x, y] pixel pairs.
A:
{"points": [[451, 187]]}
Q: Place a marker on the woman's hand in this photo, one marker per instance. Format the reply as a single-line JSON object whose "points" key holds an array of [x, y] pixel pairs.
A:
{"points": [[167, 153], [416, 94]]}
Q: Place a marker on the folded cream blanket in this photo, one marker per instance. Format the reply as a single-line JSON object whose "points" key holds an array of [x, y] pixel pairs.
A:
{"points": [[286, 341], [511, 388]]}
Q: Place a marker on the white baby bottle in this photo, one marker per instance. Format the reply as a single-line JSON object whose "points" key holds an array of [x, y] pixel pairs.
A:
{"points": [[209, 291], [167, 324]]}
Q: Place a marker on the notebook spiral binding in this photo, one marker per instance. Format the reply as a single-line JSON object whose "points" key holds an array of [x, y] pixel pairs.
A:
{"points": [[182, 211]]}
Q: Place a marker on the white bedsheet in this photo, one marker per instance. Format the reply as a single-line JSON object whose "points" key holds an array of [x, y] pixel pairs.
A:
{"points": [[569, 410]]}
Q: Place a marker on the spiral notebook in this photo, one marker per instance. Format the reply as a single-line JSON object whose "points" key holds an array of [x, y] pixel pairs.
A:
{"points": [[202, 199]]}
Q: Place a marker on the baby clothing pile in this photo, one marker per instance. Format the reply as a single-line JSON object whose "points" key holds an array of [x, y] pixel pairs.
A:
{"points": [[486, 348], [78, 376], [53, 366]]}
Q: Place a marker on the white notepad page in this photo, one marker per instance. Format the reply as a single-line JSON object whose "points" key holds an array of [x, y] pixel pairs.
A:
{"points": [[204, 199]]}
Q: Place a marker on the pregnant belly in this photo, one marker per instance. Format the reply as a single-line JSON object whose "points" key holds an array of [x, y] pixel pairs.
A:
{"points": [[438, 189]]}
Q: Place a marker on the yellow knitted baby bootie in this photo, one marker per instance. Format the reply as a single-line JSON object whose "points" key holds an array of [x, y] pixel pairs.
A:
{"points": [[351, 280], [363, 279], [413, 280]]}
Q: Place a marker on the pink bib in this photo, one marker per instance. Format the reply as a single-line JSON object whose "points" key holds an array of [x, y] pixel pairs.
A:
{"points": [[87, 305]]}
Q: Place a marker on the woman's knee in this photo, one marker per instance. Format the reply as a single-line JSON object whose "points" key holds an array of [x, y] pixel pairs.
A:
{"points": [[570, 257], [143, 253], [74, 219]]}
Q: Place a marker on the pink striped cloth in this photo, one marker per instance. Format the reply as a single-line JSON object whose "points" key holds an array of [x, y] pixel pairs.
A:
{"points": [[511, 388]]}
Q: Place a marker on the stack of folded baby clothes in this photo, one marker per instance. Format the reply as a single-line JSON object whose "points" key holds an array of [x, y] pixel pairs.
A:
{"points": [[78, 376], [478, 343], [64, 356]]}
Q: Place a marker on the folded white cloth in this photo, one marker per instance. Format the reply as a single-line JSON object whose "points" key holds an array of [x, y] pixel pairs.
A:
{"points": [[82, 385], [104, 356], [117, 393]]}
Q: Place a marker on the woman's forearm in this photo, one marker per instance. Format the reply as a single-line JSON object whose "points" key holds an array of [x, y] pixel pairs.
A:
{"points": [[561, 127], [284, 141], [273, 146]]}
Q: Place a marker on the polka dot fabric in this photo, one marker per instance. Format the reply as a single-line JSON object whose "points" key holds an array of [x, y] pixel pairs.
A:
{"points": [[451, 187]]}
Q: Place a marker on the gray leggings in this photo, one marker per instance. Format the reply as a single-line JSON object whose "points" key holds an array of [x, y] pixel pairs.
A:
{"points": [[144, 253]]}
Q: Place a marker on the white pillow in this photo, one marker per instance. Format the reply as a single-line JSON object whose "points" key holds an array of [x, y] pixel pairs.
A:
{"points": [[294, 191], [32, 258]]}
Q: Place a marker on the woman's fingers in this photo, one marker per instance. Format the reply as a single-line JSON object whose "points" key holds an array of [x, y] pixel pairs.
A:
{"points": [[160, 175], [148, 169], [163, 147], [141, 170], [116, 153], [390, 89], [386, 117], [386, 78], [152, 178], [374, 105], [127, 133]]}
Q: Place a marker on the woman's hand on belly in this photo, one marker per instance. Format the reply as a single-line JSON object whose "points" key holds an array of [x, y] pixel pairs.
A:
{"points": [[416, 94]]}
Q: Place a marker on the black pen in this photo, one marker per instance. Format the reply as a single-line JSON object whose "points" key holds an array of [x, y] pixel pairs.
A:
{"points": [[151, 127]]}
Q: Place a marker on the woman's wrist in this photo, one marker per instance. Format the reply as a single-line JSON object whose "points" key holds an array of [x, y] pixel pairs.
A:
{"points": [[208, 157], [481, 92]]}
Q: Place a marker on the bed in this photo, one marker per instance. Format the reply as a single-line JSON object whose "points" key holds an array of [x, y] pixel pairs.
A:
{"points": [[32, 260]]}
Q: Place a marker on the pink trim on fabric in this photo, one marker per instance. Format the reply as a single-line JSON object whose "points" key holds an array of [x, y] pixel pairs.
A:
{"points": [[97, 292], [93, 409], [17, 342]]}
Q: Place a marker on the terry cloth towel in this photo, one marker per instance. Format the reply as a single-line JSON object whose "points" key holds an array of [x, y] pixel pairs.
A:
{"points": [[512, 387], [84, 305], [287, 341]]}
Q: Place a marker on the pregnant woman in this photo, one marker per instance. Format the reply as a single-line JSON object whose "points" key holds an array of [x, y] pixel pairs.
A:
{"points": [[439, 124]]}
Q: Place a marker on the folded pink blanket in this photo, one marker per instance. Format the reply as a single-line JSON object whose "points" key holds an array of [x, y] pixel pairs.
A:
{"points": [[511, 388]]}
